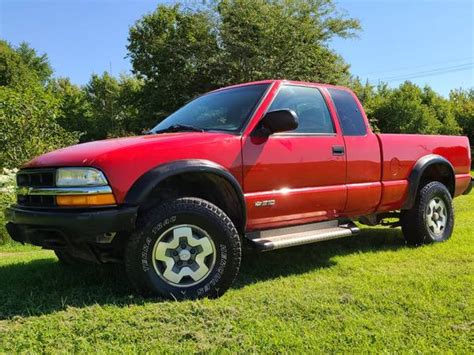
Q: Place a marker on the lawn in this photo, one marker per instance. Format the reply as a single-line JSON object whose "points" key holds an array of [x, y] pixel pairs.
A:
{"points": [[365, 293]]}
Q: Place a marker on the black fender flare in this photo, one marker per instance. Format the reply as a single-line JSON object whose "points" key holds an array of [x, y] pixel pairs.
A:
{"points": [[417, 172], [146, 183]]}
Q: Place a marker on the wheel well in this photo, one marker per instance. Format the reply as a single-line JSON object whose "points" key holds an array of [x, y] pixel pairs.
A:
{"points": [[208, 186], [438, 172]]}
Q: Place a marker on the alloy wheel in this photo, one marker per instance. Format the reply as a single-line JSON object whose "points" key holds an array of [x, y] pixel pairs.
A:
{"points": [[184, 255]]}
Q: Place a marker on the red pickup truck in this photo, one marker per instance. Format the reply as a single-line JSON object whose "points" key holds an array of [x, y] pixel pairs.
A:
{"points": [[268, 165]]}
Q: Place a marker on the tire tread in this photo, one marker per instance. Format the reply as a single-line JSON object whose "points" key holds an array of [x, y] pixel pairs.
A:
{"points": [[183, 204]]}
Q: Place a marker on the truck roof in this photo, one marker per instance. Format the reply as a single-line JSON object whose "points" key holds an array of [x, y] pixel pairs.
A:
{"points": [[285, 81]]}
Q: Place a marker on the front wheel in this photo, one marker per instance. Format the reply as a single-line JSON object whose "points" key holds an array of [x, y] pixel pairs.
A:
{"points": [[185, 248], [432, 218]]}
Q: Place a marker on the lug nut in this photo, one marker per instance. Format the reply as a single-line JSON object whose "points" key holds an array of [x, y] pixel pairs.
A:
{"points": [[175, 253], [193, 251], [183, 246]]}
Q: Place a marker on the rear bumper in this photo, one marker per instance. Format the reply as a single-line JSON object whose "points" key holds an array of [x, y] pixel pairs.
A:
{"points": [[469, 188], [39, 227]]}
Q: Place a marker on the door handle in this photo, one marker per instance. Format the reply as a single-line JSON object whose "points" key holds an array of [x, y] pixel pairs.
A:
{"points": [[337, 150]]}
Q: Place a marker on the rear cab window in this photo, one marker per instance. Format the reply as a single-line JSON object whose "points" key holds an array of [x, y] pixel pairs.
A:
{"points": [[349, 114], [309, 105]]}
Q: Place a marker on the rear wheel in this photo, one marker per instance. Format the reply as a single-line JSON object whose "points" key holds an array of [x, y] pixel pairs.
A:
{"points": [[186, 248], [432, 217]]}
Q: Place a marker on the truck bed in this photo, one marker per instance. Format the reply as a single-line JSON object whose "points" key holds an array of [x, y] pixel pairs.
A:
{"points": [[400, 152]]}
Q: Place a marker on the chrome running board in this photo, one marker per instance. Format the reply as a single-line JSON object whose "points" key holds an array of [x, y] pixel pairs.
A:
{"points": [[299, 235]]}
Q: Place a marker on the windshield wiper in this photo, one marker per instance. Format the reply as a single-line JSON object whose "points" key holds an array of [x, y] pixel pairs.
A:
{"points": [[178, 128]]}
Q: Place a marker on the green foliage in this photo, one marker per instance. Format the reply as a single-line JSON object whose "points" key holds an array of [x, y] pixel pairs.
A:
{"points": [[462, 102], [102, 94], [7, 197], [181, 53], [130, 120], [286, 40], [403, 111], [406, 109], [28, 110], [74, 110], [112, 106], [13, 71], [176, 53], [441, 111], [105, 107], [39, 64], [22, 67], [27, 125]]}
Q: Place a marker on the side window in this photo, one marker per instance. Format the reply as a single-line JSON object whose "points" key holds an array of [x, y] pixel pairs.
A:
{"points": [[309, 105], [350, 117]]}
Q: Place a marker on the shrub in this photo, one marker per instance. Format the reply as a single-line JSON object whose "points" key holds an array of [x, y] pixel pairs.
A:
{"points": [[7, 196], [28, 125]]}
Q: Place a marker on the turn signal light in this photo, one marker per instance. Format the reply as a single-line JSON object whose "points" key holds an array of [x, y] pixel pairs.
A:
{"points": [[85, 200]]}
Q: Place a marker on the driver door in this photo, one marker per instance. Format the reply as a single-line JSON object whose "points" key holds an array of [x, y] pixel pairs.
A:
{"points": [[298, 176]]}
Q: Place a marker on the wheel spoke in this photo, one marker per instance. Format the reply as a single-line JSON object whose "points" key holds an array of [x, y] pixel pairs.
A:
{"points": [[432, 224], [160, 251], [173, 276], [440, 226], [180, 232]]}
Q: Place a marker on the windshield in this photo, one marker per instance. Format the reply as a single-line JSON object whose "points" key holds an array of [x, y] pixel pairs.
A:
{"points": [[225, 110]]}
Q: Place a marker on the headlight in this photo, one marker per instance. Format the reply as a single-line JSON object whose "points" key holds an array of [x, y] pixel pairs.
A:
{"points": [[80, 177]]}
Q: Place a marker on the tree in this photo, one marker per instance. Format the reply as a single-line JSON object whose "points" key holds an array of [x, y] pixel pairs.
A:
{"points": [[410, 109], [131, 120], [13, 71], [182, 53], [175, 53], [28, 109], [462, 103], [75, 111], [112, 105], [22, 67], [289, 39], [102, 94], [442, 111], [39, 64], [28, 125]]}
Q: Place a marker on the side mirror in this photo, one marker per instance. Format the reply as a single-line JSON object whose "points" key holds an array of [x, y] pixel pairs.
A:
{"points": [[280, 121]]}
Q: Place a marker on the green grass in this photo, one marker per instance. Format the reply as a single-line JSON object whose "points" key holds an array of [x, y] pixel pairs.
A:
{"points": [[370, 293]]}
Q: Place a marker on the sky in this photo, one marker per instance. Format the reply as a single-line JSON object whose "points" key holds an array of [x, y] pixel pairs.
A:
{"points": [[427, 41]]}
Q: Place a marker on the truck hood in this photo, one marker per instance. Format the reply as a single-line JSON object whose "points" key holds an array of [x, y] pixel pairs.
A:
{"points": [[124, 160], [129, 148]]}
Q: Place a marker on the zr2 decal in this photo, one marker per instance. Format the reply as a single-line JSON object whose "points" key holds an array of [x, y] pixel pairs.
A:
{"points": [[265, 203]]}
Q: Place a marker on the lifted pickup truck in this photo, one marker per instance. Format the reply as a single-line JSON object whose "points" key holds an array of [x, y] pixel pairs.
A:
{"points": [[268, 165]]}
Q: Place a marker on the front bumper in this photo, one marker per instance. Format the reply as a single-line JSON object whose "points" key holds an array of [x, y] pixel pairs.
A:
{"points": [[469, 188], [48, 228]]}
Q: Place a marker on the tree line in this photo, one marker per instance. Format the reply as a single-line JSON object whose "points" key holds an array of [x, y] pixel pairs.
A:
{"points": [[178, 53]]}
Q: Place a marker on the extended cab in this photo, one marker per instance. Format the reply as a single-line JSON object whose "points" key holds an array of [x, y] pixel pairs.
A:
{"points": [[267, 165]]}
